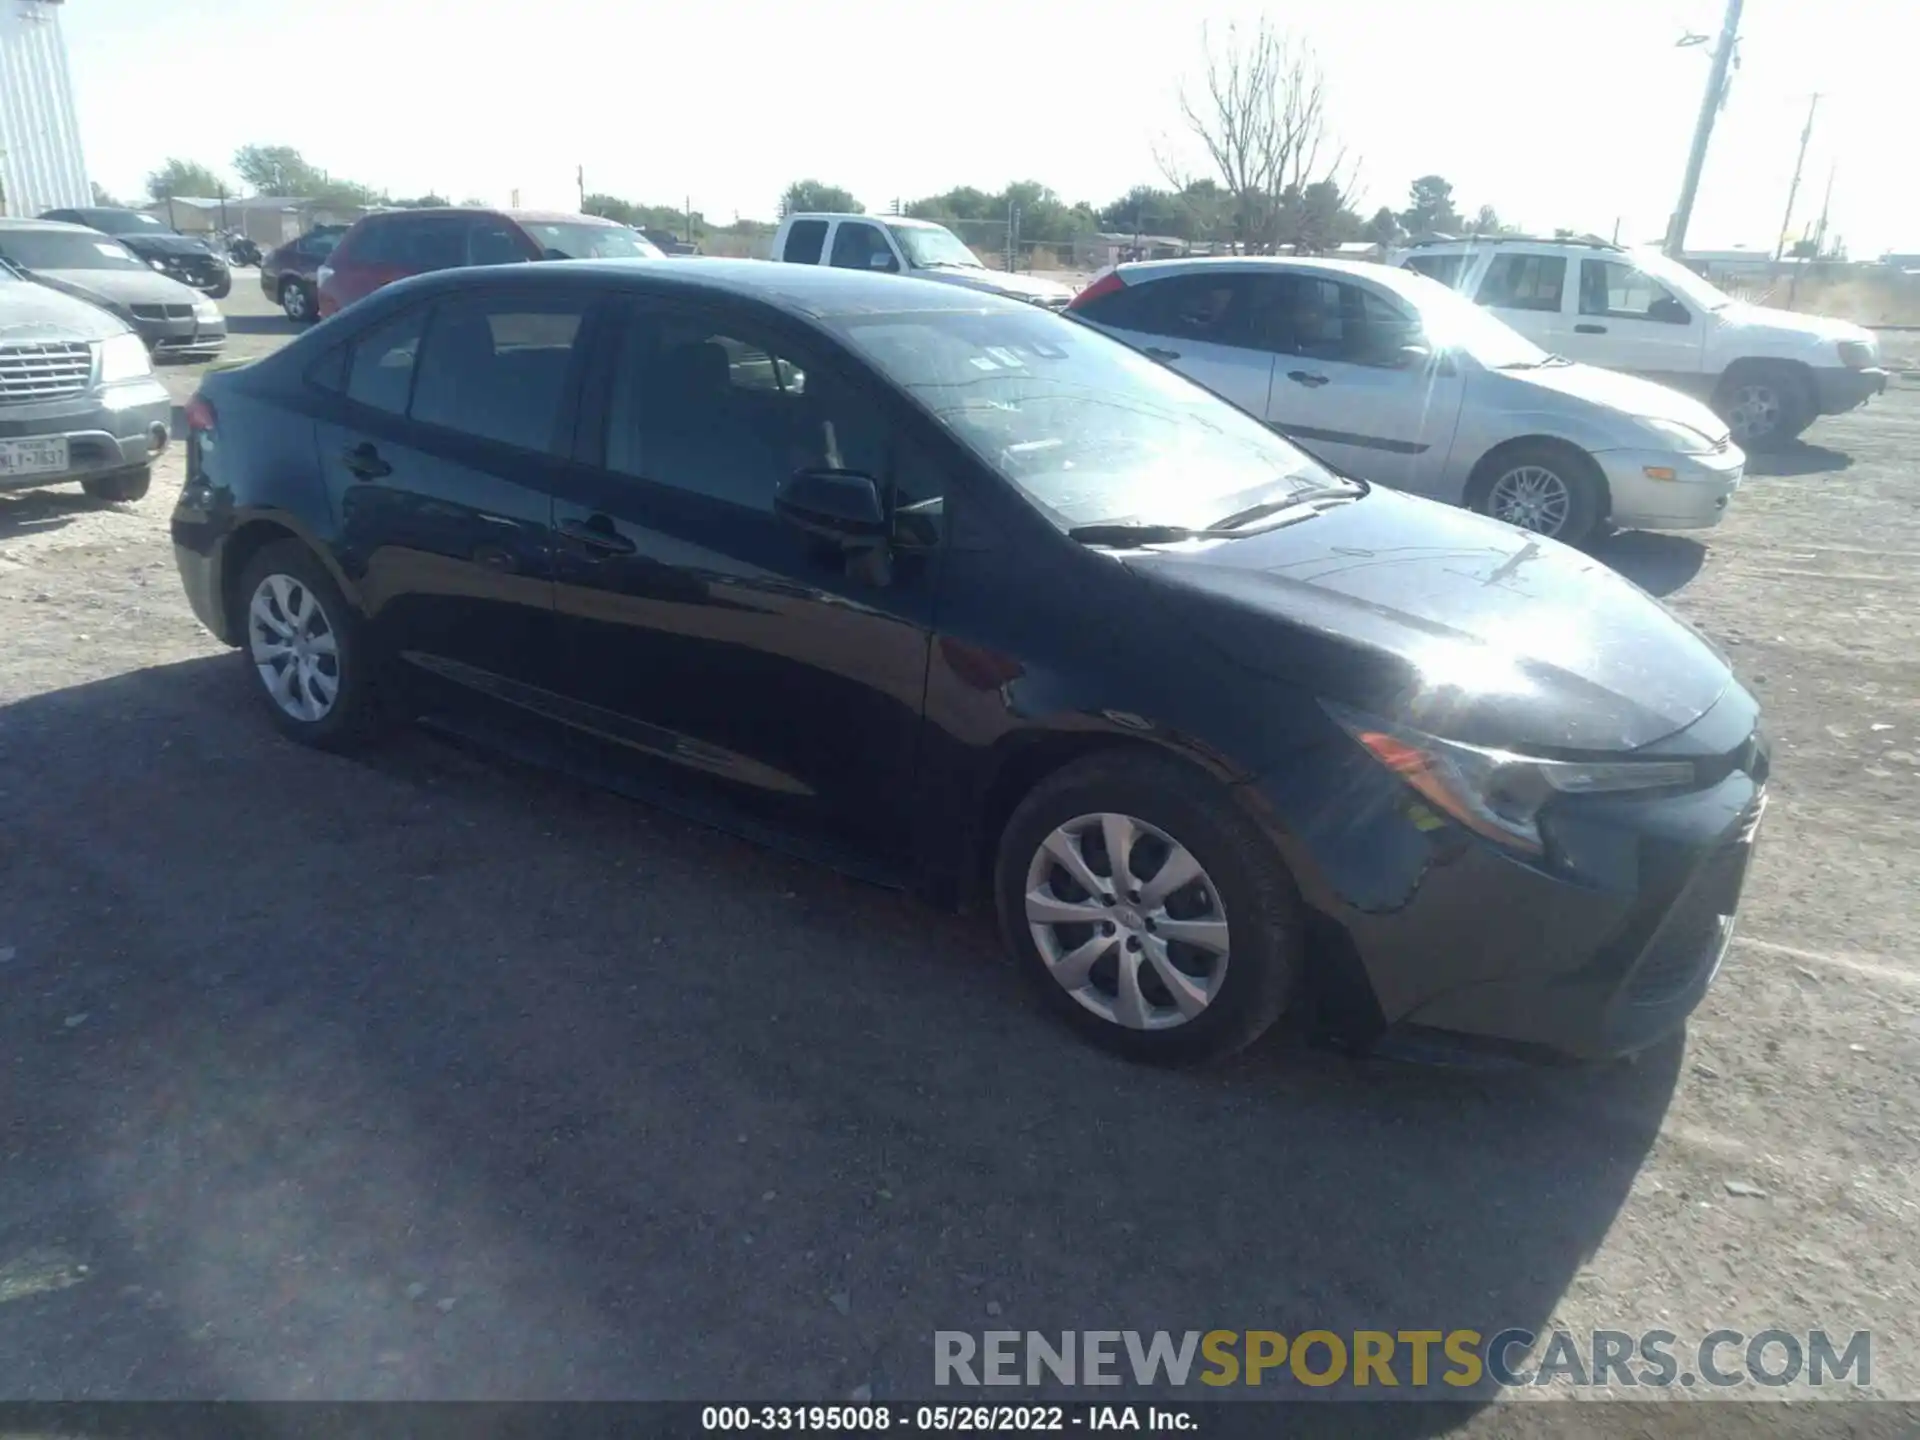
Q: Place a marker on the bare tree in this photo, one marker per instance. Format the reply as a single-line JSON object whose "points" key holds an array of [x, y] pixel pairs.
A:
{"points": [[1262, 119]]}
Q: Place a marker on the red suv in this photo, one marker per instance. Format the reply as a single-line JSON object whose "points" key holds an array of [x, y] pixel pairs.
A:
{"points": [[393, 244]]}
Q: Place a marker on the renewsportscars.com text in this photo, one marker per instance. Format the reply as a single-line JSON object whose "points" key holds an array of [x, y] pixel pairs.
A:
{"points": [[1377, 1360]]}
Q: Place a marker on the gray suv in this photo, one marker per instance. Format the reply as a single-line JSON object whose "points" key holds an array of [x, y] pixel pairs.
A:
{"points": [[78, 398]]}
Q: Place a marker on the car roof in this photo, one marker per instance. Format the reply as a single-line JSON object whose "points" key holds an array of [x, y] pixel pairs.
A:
{"points": [[1249, 265], [20, 222], [816, 291], [907, 221], [535, 217]]}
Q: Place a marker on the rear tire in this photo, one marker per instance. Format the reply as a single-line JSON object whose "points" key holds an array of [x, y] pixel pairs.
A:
{"points": [[1550, 489], [307, 650], [1765, 405], [1213, 959], [122, 487]]}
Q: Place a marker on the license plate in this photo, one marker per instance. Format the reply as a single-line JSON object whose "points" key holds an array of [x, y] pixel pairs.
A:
{"points": [[33, 457]]}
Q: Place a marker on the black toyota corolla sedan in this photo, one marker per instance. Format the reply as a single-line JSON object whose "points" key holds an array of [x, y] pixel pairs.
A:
{"points": [[951, 591]]}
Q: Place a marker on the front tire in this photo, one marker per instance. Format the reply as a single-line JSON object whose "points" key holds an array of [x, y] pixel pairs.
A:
{"points": [[307, 650], [1766, 406], [220, 288], [1552, 490], [122, 487], [1184, 949], [297, 301]]}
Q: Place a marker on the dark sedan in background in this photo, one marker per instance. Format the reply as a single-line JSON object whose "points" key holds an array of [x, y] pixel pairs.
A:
{"points": [[952, 591], [190, 261], [289, 273], [176, 321]]}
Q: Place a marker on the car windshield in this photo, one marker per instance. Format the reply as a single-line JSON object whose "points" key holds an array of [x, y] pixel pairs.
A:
{"points": [[1091, 431], [589, 242], [1450, 321], [67, 250], [1679, 279], [930, 245]]}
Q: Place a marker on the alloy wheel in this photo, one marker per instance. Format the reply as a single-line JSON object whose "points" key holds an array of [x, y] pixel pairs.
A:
{"points": [[1754, 413], [294, 648], [293, 299], [1127, 921], [1532, 497]]}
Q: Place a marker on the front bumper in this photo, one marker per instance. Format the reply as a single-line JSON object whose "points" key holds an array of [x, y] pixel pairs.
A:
{"points": [[177, 332], [1838, 391], [120, 427], [1695, 498], [1601, 949]]}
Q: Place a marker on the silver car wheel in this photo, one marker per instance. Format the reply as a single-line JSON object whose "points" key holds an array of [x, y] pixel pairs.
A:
{"points": [[1532, 497], [294, 648], [1754, 412], [1127, 921], [293, 300]]}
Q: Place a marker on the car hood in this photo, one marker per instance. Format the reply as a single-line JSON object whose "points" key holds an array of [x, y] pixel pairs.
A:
{"points": [[1000, 282], [165, 245], [1817, 327], [120, 287], [1626, 394], [1447, 621], [30, 311]]}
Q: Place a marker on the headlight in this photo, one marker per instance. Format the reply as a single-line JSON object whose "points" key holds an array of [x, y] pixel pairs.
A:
{"points": [[1683, 438], [123, 357], [1496, 793], [207, 310], [1859, 354], [159, 265]]}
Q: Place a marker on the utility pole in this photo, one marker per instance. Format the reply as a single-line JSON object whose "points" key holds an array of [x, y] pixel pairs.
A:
{"points": [[1710, 104], [1793, 190], [1826, 207], [580, 182]]}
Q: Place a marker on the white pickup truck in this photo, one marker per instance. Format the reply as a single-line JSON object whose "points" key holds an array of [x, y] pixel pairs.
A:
{"points": [[896, 245], [1769, 373]]}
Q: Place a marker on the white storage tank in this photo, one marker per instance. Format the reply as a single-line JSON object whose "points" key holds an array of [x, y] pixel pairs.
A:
{"points": [[41, 166]]}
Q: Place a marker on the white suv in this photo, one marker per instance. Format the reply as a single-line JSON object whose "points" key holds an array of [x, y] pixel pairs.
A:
{"points": [[1769, 373]]}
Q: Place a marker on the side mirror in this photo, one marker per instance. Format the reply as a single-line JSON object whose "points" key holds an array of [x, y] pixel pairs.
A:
{"points": [[881, 260], [1410, 357], [1669, 311], [838, 505]]}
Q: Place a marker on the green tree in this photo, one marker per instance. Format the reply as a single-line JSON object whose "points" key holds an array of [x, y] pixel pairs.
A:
{"points": [[185, 177], [429, 201], [106, 198], [283, 170], [1430, 208], [610, 207], [819, 197], [1383, 228], [1487, 222]]}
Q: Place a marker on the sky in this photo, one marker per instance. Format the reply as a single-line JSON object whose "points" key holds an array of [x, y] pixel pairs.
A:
{"points": [[1559, 113]]}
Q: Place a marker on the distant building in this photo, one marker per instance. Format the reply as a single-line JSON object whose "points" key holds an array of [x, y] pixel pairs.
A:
{"points": [[267, 220], [41, 167]]}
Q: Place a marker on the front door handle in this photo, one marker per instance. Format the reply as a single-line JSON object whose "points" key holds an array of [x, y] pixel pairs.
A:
{"points": [[364, 461], [1154, 352], [1309, 378], [1589, 329], [596, 532]]}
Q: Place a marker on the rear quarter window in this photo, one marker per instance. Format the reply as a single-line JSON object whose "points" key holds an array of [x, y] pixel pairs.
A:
{"points": [[1447, 269], [806, 239]]}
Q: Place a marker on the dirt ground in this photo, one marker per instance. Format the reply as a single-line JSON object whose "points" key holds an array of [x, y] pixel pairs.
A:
{"points": [[425, 1076]]}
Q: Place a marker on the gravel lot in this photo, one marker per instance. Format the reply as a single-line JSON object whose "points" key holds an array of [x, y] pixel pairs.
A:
{"points": [[426, 1076]]}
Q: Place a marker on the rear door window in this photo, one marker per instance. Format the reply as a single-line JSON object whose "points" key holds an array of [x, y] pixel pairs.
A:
{"points": [[806, 239], [434, 244], [1210, 308], [380, 372], [497, 367], [1517, 280]]}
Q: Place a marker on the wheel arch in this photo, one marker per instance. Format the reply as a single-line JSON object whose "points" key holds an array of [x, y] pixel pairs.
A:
{"points": [[1480, 479], [247, 540]]}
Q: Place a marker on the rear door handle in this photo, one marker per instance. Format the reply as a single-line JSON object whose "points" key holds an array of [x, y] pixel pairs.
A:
{"points": [[596, 532], [1306, 377], [1154, 352], [1589, 329], [364, 461]]}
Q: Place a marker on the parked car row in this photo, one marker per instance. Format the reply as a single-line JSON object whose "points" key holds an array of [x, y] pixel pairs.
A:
{"points": [[958, 593], [175, 320]]}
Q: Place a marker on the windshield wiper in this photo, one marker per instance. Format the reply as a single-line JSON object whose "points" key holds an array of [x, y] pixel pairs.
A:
{"points": [[1118, 533], [1126, 533], [1346, 490]]}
